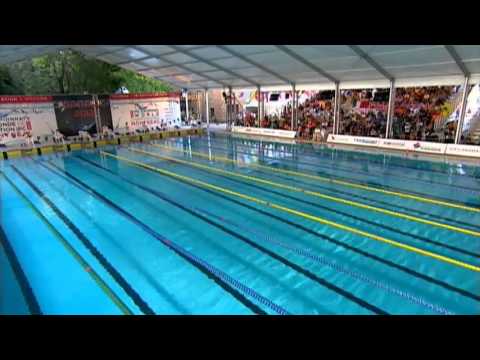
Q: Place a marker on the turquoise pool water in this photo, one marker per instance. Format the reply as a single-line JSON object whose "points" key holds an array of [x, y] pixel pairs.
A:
{"points": [[222, 225]]}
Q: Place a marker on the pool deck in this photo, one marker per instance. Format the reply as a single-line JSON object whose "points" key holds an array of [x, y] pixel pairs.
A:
{"points": [[10, 153]]}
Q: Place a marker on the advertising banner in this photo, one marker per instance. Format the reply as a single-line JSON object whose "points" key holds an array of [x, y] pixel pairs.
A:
{"points": [[428, 147], [407, 145], [353, 140], [463, 150], [104, 111], [75, 113], [25, 118], [264, 132], [152, 110], [396, 144]]}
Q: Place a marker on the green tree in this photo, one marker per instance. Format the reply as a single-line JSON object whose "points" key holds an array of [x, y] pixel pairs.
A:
{"points": [[70, 72]]}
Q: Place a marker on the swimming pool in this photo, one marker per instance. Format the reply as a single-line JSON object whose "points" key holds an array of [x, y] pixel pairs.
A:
{"points": [[221, 225]]}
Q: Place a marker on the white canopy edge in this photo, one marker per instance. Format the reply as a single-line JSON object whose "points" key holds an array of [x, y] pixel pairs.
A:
{"points": [[409, 82]]}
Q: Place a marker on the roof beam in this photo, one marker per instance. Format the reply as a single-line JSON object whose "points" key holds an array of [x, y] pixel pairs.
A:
{"points": [[458, 60], [133, 60], [102, 53], [307, 63], [182, 67], [212, 64], [372, 62], [254, 63]]}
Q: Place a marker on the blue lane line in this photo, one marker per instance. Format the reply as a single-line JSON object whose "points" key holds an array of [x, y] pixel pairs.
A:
{"points": [[264, 250], [363, 156], [27, 291], [357, 218], [324, 261], [342, 244], [137, 299], [229, 284], [316, 171], [303, 252], [376, 172]]}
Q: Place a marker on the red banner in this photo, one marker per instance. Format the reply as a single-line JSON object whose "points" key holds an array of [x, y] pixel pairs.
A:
{"points": [[145, 96], [25, 99]]}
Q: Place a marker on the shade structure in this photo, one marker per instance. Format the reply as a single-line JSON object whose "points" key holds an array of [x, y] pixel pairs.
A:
{"points": [[280, 66]]}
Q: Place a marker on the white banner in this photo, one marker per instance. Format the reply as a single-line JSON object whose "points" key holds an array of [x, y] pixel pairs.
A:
{"points": [[24, 118], [353, 140], [136, 111], [396, 144], [264, 132], [463, 150], [407, 145]]}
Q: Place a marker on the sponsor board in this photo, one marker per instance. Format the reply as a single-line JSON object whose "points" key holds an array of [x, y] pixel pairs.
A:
{"points": [[137, 111], [88, 145], [264, 132], [75, 113], [428, 147], [29, 152], [395, 144], [25, 117], [406, 145], [47, 149], [353, 140], [59, 148], [463, 150]]}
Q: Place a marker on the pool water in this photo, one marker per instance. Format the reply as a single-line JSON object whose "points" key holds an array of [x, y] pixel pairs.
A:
{"points": [[223, 225]]}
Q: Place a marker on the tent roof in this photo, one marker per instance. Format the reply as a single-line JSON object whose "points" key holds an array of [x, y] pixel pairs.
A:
{"points": [[277, 67]]}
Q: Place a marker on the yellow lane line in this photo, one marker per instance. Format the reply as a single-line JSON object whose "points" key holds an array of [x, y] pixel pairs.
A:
{"points": [[315, 193], [338, 182], [426, 253]]}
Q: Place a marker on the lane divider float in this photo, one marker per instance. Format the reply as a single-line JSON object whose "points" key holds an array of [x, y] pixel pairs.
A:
{"points": [[317, 219], [313, 193], [334, 181]]}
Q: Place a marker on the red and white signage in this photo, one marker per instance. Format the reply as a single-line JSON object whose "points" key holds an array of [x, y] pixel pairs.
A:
{"points": [[264, 132], [463, 150], [25, 118], [152, 110], [407, 145]]}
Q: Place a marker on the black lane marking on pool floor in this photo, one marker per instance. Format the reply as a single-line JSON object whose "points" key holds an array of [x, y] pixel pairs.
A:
{"points": [[372, 223], [347, 158], [347, 169], [26, 289], [388, 206], [228, 288], [337, 242], [255, 245], [137, 299], [370, 183], [128, 255], [318, 172]]}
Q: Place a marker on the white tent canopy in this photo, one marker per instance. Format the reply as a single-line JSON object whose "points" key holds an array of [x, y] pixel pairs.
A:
{"points": [[277, 67]]}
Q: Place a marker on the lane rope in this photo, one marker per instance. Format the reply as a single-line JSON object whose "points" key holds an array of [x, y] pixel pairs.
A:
{"points": [[242, 149], [314, 193], [339, 268], [229, 284], [334, 181], [74, 253], [317, 219], [137, 299], [201, 215]]}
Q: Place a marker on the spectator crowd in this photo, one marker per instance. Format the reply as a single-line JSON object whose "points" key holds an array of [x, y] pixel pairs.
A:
{"points": [[420, 114]]}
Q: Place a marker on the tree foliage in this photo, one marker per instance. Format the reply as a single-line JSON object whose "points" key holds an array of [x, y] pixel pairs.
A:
{"points": [[69, 72]]}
